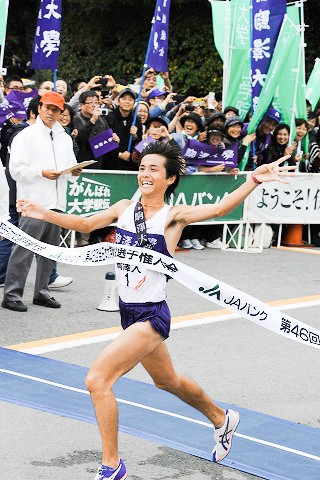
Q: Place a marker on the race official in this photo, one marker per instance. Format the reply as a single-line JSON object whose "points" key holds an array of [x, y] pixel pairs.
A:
{"points": [[38, 155]]}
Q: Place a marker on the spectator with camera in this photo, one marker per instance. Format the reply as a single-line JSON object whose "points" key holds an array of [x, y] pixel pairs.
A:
{"points": [[89, 123]]}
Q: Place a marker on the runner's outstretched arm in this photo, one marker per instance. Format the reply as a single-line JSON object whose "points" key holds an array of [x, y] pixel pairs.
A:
{"points": [[264, 173], [28, 208]]}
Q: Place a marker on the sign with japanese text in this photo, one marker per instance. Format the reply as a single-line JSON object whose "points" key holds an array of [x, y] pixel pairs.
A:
{"points": [[298, 202], [15, 104], [103, 143], [267, 16], [239, 86], [94, 192], [45, 53], [158, 50], [144, 143], [198, 153], [145, 259]]}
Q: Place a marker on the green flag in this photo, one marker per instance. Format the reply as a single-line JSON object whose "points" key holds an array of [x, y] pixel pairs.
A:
{"points": [[313, 85], [286, 37], [290, 97], [218, 24], [239, 92], [239, 80], [3, 20]]}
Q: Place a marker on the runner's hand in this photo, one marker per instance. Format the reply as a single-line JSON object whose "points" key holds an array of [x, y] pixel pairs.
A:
{"points": [[28, 208], [272, 172]]}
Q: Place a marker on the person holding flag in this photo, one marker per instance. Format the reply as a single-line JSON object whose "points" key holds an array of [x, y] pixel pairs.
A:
{"points": [[145, 317]]}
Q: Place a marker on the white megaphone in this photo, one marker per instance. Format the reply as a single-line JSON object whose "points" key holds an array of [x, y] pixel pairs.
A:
{"points": [[109, 301]]}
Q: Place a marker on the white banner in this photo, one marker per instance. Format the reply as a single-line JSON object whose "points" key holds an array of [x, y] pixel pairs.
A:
{"points": [[298, 202], [208, 287]]}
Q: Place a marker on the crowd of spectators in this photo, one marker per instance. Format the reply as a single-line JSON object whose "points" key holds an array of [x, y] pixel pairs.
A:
{"points": [[92, 107]]}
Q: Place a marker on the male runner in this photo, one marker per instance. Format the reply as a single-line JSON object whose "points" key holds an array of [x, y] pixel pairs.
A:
{"points": [[145, 317]]}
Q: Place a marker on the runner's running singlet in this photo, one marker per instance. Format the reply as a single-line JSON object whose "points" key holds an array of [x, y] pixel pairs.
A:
{"points": [[137, 284]]}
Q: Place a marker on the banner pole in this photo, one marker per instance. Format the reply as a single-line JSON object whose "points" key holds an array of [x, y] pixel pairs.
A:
{"points": [[55, 80], [231, 48], [226, 54], [294, 106], [145, 66], [3, 71]]}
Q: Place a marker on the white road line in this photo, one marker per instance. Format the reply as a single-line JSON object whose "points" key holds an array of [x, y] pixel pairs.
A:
{"points": [[174, 326], [165, 412]]}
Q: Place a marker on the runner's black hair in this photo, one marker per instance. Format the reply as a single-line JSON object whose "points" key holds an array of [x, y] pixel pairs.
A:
{"points": [[174, 164]]}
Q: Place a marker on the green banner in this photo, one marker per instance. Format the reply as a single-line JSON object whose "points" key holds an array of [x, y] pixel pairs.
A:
{"points": [[289, 84], [313, 85], [276, 70], [94, 192], [239, 92], [218, 23], [3, 20], [239, 86]]}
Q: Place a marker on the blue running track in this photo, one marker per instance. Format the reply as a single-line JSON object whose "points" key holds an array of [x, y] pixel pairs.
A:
{"points": [[263, 445]]}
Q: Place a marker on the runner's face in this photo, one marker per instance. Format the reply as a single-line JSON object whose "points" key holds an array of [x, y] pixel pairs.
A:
{"points": [[152, 175]]}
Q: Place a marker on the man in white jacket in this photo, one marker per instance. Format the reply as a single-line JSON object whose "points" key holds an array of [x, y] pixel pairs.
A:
{"points": [[4, 196], [38, 155]]}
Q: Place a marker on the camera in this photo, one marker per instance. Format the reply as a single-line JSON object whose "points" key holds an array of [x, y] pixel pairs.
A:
{"points": [[105, 90], [189, 108]]}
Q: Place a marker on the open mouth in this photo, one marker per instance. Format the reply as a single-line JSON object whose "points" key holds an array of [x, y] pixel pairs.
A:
{"points": [[145, 183]]}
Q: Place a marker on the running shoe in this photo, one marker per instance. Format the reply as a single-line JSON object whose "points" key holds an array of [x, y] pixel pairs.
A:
{"points": [[120, 473], [223, 435]]}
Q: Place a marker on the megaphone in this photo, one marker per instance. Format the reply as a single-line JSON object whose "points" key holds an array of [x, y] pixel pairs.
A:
{"points": [[109, 301]]}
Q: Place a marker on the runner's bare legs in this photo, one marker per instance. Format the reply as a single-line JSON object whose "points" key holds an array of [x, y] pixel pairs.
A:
{"points": [[159, 365], [115, 360], [138, 343]]}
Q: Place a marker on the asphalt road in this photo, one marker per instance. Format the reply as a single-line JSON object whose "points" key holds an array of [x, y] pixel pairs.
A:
{"points": [[234, 361]]}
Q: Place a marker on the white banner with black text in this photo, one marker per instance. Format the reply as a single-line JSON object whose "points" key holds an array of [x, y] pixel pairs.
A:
{"points": [[204, 285], [296, 203]]}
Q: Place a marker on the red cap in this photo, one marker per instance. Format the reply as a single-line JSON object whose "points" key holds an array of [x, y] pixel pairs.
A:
{"points": [[53, 98]]}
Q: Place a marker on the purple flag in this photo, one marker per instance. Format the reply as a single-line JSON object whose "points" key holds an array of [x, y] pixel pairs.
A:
{"points": [[267, 17], [46, 45], [198, 153], [103, 143], [158, 50], [143, 144], [16, 105]]}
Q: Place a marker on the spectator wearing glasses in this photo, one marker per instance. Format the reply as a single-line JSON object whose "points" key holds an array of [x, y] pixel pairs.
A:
{"points": [[89, 123], [13, 82]]}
